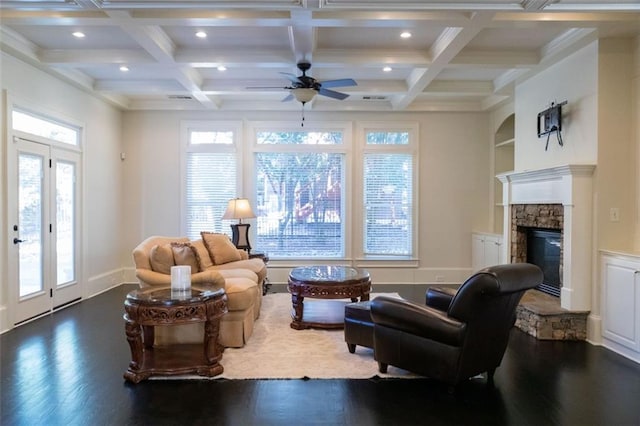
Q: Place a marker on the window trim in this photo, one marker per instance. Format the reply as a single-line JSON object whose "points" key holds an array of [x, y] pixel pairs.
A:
{"points": [[186, 126], [411, 148], [16, 104], [346, 148]]}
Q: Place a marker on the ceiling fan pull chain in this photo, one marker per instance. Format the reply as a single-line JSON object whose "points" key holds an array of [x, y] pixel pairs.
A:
{"points": [[302, 113]]}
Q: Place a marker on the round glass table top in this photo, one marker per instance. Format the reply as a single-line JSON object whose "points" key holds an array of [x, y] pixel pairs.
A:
{"points": [[328, 273], [165, 295]]}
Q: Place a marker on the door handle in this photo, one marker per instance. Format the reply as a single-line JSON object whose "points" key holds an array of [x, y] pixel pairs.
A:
{"points": [[17, 241]]}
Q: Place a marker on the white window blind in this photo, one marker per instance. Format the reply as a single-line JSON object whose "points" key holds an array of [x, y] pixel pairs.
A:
{"points": [[299, 195], [211, 180], [388, 196]]}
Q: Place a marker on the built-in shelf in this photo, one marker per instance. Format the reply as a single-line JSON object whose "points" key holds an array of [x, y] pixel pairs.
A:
{"points": [[503, 152], [507, 142]]}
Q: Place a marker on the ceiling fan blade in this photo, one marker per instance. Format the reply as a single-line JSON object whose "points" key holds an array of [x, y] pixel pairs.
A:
{"points": [[288, 98], [332, 94], [291, 77], [339, 83]]}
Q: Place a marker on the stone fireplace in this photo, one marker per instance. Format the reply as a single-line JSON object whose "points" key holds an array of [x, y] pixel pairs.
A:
{"points": [[556, 198], [528, 220]]}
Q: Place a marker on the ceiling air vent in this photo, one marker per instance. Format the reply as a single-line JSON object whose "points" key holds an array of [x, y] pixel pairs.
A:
{"points": [[181, 97], [374, 98]]}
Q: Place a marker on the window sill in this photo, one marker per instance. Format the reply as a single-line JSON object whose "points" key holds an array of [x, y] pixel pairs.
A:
{"points": [[389, 262]]}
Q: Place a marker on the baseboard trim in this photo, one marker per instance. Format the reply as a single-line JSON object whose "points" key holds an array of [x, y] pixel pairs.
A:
{"points": [[100, 283]]}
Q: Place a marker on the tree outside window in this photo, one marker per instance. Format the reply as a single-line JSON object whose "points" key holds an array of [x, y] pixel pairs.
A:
{"points": [[299, 196]]}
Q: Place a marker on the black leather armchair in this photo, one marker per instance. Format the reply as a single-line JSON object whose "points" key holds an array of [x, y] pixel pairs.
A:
{"points": [[455, 336]]}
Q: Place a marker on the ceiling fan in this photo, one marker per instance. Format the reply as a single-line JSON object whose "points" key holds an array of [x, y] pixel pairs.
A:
{"points": [[304, 88]]}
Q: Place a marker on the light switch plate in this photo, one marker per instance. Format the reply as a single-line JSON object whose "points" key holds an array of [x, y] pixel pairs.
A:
{"points": [[614, 214]]}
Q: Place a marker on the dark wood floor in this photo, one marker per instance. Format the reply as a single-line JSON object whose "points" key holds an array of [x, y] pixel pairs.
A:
{"points": [[66, 369]]}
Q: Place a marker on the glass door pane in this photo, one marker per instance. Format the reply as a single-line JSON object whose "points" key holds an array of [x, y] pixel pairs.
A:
{"points": [[30, 204], [65, 222]]}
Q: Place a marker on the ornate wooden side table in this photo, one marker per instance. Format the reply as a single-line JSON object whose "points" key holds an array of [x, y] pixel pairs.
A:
{"points": [[151, 307], [265, 258], [325, 282]]}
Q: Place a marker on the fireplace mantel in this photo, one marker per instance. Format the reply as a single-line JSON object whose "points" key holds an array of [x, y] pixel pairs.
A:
{"points": [[571, 186]]}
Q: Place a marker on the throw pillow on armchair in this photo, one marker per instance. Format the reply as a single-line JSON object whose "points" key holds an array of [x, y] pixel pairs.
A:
{"points": [[220, 248]]}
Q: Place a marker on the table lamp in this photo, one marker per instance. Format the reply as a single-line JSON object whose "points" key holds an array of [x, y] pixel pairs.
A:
{"points": [[239, 208]]}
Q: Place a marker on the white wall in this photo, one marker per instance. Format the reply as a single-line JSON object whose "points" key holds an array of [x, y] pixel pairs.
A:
{"points": [[102, 190], [597, 128], [454, 189], [615, 173], [575, 79]]}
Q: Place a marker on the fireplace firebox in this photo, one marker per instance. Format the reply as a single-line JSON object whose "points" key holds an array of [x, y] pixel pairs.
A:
{"points": [[544, 248]]}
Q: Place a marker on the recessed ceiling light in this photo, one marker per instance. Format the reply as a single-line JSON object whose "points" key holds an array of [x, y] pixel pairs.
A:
{"points": [[124, 68], [405, 34], [78, 34], [387, 69], [222, 68], [201, 34]]}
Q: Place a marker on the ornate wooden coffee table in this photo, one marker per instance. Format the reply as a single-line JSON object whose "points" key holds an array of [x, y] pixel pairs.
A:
{"points": [[150, 307], [325, 282]]}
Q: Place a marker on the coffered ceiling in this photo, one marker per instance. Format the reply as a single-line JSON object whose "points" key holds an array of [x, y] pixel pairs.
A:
{"points": [[461, 55]]}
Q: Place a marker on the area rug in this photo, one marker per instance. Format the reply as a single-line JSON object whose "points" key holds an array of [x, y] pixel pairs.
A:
{"points": [[276, 351]]}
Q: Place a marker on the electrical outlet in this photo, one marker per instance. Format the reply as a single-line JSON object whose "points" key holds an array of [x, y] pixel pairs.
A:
{"points": [[614, 214]]}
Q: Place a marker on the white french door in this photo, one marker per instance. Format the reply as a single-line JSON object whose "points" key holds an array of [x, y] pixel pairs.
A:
{"points": [[45, 215]]}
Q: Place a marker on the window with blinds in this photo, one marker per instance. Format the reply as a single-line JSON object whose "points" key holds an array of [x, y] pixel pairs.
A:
{"points": [[388, 194], [299, 193], [298, 183], [210, 180]]}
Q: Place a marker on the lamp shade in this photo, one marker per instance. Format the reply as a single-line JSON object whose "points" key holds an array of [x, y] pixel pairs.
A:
{"points": [[238, 208], [304, 95]]}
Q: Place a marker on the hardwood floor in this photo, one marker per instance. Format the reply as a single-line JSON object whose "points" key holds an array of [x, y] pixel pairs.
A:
{"points": [[66, 369]]}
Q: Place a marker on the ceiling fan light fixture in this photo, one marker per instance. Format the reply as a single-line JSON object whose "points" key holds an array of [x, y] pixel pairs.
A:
{"points": [[303, 95]]}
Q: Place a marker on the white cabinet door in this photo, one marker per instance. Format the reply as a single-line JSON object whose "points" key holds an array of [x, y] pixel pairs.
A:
{"points": [[621, 301], [485, 250], [477, 251], [492, 247]]}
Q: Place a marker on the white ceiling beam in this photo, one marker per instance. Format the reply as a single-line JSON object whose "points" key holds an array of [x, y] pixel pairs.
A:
{"points": [[448, 45], [79, 78], [507, 79], [302, 36], [149, 86], [158, 44], [271, 84], [457, 87], [16, 42], [558, 49], [117, 99], [495, 59], [494, 101], [208, 58], [443, 106], [271, 58], [370, 57], [89, 57]]}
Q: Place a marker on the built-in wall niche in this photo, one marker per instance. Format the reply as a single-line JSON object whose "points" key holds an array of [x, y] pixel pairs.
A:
{"points": [[503, 162]]}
